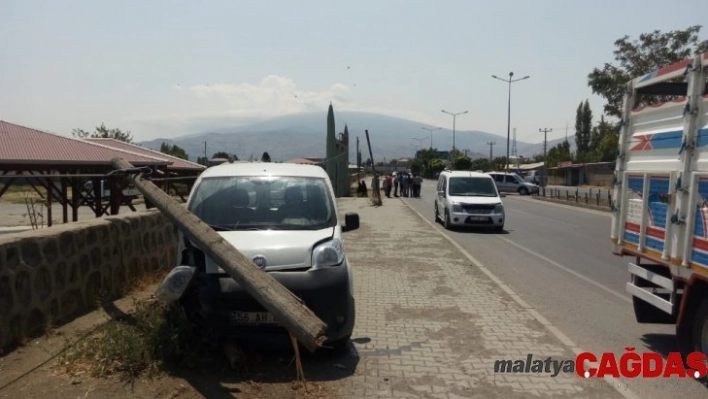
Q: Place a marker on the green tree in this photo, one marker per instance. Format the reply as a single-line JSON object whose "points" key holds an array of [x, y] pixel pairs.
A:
{"points": [[435, 166], [583, 132], [416, 166], [559, 153], [462, 163], [482, 164], [499, 164], [265, 157], [173, 150], [103, 132], [638, 57], [607, 136]]}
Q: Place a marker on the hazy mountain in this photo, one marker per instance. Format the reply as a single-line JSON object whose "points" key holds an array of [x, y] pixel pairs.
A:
{"points": [[304, 135]]}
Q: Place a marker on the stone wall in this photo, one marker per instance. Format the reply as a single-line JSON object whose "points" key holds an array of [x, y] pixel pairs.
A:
{"points": [[50, 276]]}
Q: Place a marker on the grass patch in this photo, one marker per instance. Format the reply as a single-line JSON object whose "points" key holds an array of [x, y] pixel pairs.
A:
{"points": [[152, 340]]}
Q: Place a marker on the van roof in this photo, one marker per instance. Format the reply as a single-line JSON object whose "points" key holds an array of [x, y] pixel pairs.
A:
{"points": [[264, 169], [463, 173]]}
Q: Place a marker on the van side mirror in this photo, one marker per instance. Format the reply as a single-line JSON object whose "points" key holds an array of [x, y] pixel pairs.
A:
{"points": [[441, 193], [351, 221]]}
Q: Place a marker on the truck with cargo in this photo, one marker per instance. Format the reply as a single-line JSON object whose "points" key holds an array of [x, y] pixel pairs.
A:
{"points": [[660, 201]]}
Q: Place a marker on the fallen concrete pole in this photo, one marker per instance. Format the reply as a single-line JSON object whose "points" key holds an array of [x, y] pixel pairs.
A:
{"points": [[302, 323]]}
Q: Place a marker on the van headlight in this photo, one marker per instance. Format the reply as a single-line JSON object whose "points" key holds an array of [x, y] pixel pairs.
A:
{"points": [[330, 253], [499, 208], [456, 207]]}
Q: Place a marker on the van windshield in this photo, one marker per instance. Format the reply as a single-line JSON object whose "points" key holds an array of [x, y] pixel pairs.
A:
{"points": [[472, 187], [260, 203]]}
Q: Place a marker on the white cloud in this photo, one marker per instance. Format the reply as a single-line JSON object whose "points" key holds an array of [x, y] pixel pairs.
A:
{"points": [[233, 104]]}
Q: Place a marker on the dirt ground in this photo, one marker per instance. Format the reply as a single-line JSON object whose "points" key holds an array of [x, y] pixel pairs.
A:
{"points": [[263, 370]]}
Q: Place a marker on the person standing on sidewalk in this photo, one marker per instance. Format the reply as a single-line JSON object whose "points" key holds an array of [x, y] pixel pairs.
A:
{"points": [[387, 185], [396, 183], [417, 183]]}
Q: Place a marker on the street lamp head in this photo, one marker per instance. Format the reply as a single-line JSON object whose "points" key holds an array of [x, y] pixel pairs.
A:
{"points": [[464, 112], [511, 74], [526, 77]]}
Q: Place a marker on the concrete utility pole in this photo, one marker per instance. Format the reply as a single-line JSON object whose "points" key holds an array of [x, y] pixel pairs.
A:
{"points": [[490, 144], [358, 164], [545, 144]]}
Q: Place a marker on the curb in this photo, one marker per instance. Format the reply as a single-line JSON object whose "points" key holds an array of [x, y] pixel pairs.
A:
{"points": [[533, 312], [572, 203]]}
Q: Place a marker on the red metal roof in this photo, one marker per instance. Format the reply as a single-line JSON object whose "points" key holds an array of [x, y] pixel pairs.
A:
{"points": [[23, 145], [177, 163]]}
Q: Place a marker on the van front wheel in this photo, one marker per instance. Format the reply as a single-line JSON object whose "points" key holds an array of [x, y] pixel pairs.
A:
{"points": [[447, 222]]}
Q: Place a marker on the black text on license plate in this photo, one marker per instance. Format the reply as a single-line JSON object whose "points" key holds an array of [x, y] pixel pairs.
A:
{"points": [[252, 318]]}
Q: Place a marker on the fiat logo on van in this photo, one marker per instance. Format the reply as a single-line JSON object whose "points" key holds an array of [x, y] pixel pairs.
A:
{"points": [[260, 261]]}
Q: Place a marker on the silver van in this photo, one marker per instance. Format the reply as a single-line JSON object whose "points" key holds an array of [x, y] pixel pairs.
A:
{"points": [[284, 218], [513, 183]]}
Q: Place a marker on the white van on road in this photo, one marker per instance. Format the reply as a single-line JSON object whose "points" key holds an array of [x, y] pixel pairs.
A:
{"points": [[469, 199]]}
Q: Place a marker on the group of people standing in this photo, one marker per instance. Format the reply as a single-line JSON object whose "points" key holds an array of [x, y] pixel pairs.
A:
{"points": [[403, 184]]}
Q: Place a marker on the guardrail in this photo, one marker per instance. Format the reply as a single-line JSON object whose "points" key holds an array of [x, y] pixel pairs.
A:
{"points": [[590, 196]]}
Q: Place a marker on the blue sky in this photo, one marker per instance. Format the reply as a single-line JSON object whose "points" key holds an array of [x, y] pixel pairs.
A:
{"points": [[169, 68]]}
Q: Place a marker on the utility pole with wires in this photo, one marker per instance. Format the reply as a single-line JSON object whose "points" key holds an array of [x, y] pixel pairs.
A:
{"points": [[490, 144]]}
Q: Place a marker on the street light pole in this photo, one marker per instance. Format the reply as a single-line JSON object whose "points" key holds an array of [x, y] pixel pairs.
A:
{"points": [[454, 117], [508, 117], [430, 130]]}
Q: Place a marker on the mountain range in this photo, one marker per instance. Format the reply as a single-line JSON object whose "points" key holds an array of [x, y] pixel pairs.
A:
{"points": [[303, 135]]}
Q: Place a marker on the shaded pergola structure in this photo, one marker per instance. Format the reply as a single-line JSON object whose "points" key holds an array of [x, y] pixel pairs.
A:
{"points": [[57, 167]]}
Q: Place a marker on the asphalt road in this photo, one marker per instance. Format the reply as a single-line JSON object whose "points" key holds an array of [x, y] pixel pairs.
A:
{"points": [[559, 260]]}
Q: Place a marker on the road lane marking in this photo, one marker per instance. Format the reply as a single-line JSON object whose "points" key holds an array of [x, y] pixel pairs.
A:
{"points": [[555, 331], [568, 270]]}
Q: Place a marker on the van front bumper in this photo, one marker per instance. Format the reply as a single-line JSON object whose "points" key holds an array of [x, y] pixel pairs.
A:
{"points": [[222, 302], [477, 219]]}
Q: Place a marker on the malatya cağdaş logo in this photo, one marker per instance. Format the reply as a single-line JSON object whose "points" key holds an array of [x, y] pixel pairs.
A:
{"points": [[629, 365]]}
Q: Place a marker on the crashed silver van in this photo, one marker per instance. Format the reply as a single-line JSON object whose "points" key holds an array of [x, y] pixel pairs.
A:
{"points": [[284, 218]]}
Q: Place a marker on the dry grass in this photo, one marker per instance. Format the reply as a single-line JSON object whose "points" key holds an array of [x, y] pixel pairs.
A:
{"points": [[154, 338]]}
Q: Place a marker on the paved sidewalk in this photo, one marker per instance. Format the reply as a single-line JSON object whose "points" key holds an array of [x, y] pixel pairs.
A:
{"points": [[436, 322]]}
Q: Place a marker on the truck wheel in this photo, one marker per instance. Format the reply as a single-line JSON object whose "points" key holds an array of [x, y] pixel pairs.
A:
{"points": [[700, 329], [446, 223], [523, 191]]}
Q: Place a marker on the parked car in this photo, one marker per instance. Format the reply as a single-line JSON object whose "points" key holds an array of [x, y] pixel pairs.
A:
{"points": [[537, 177], [284, 218], [468, 199], [513, 183]]}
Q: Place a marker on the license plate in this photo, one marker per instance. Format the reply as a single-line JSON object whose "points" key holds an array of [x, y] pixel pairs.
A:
{"points": [[252, 318], [478, 218]]}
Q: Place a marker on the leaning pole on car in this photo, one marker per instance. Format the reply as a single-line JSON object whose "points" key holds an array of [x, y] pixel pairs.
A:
{"points": [[302, 323]]}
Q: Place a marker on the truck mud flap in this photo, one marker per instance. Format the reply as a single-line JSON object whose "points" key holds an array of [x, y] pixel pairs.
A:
{"points": [[653, 296]]}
